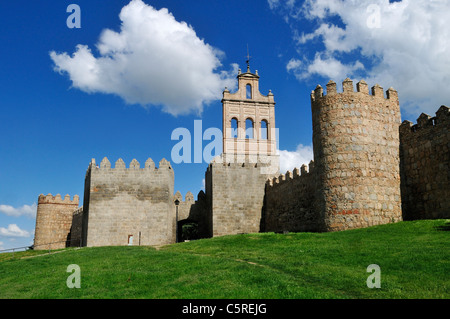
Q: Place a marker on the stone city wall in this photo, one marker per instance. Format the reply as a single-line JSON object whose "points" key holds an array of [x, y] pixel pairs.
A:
{"points": [[125, 206], [289, 202], [235, 196], [425, 166], [74, 239], [367, 170]]}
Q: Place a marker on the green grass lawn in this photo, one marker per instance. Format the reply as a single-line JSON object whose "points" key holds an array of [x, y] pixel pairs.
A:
{"points": [[414, 259]]}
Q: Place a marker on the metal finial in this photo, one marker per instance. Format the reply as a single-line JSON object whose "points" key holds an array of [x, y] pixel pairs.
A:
{"points": [[248, 59]]}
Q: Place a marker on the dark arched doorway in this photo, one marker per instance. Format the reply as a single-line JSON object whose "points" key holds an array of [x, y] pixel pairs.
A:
{"points": [[187, 230]]}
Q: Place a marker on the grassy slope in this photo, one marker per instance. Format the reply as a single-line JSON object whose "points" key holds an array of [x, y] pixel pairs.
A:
{"points": [[413, 257]]}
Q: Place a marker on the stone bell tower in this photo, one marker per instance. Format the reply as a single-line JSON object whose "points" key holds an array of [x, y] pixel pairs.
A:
{"points": [[249, 122], [235, 181]]}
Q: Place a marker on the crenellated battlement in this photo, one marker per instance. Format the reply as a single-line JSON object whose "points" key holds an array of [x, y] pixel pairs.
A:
{"points": [[189, 197], [296, 173], [105, 164], [57, 199], [424, 120], [347, 85], [78, 211]]}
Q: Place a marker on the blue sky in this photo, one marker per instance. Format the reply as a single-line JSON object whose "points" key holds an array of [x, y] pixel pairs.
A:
{"points": [[119, 86]]}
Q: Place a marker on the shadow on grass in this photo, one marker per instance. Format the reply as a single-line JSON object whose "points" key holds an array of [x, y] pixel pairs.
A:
{"points": [[445, 227]]}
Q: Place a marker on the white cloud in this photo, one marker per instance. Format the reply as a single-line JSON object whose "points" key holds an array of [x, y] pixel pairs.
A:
{"points": [[295, 159], [293, 64], [322, 65], [273, 3], [13, 231], [25, 210], [153, 60], [287, 8], [402, 44]]}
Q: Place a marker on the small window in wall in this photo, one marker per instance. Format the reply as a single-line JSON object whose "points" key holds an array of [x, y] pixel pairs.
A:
{"points": [[234, 128], [248, 91], [130, 240], [249, 128], [264, 130]]}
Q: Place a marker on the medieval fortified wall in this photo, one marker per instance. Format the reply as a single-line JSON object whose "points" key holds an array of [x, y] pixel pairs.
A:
{"points": [[425, 166], [128, 206], [235, 194], [289, 202], [355, 179], [368, 169]]}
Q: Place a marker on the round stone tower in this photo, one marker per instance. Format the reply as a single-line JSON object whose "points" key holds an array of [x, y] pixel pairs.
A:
{"points": [[356, 154], [54, 221]]}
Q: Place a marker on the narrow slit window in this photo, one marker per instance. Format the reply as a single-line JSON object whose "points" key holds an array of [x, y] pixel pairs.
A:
{"points": [[249, 128], [248, 91]]}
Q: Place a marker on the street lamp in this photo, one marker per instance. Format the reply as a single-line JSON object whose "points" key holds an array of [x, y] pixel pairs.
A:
{"points": [[177, 202]]}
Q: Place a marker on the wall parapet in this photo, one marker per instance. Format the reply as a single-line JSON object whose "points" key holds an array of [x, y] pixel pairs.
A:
{"points": [[57, 199], [425, 120], [296, 173], [105, 164], [347, 85], [78, 211]]}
